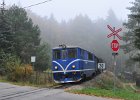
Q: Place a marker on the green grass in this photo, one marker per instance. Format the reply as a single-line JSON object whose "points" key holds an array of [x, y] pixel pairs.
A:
{"points": [[119, 93], [137, 87], [129, 88]]}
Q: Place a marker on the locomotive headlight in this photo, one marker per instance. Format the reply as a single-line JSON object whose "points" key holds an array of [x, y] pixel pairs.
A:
{"points": [[56, 67], [73, 66]]}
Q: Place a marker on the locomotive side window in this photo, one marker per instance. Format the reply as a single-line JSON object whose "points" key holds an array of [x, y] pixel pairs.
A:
{"points": [[90, 56], [57, 54], [72, 53], [82, 54]]}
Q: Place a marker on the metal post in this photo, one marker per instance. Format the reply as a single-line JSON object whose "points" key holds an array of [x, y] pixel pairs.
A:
{"points": [[33, 65], [114, 71], [114, 65]]}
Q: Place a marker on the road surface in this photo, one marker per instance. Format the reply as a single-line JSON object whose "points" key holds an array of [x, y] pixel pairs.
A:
{"points": [[13, 92]]}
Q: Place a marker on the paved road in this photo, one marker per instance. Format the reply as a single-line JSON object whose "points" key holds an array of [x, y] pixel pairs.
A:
{"points": [[13, 92]]}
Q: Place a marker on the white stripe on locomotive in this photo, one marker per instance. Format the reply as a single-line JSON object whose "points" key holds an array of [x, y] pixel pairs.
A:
{"points": [[72, 71], [70, 63]]}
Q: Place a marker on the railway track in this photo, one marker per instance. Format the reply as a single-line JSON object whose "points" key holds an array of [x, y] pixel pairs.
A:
{"points": [[63, 86], [67, 85], [18, 94]]}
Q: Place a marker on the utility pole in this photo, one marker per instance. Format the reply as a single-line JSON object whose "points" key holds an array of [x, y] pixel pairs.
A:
{"points": [[3, 7]]}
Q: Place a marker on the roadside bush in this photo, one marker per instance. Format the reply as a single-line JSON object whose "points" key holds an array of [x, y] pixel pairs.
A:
{"points": [[8, 62], [105, 81], [42, 78], [22, 73], [12, 62], [12, 68]]}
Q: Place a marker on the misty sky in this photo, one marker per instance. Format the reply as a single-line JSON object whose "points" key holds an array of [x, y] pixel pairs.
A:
{"points": [[67, 9]]}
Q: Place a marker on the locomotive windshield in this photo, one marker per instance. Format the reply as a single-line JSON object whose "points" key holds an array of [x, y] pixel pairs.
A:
{"points": [[57, 54], [65, 53], [72, 53]]}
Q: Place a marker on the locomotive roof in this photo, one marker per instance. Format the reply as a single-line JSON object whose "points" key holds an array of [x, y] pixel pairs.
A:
{"points": [[67, 47], [72, 47]]}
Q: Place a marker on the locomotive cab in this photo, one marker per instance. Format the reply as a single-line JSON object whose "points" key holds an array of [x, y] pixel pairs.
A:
{"points": [[72, 64], [65, 65]]}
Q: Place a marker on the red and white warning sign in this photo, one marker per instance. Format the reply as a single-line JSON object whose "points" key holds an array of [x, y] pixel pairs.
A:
{"points": [[114, 32], [115, 45]]}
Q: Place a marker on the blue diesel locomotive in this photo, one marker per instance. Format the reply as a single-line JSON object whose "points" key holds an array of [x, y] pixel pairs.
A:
{"points": [[72, 64]]}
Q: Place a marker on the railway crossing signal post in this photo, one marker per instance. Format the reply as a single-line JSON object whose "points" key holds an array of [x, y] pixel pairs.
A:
{"points": [[114, 46]]}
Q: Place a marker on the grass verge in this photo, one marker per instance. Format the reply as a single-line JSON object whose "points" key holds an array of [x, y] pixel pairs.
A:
{"points": [[118, 94], [137, 87], [128, 88]]}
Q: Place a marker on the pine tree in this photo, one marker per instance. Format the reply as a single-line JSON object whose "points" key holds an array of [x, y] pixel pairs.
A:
{"points": [[132, 36], [43, 55], [27, 35], [6, 36]]}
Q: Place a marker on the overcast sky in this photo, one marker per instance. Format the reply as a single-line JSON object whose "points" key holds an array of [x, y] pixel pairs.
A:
{"points": [[66, 9]]}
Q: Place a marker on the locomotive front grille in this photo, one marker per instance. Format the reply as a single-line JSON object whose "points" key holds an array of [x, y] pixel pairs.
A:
{"points": [[70, 76]]}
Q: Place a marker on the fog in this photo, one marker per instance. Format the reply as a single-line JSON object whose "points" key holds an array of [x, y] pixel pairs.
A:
{"points": [[68, 9], [81, 23], [80, 31]]}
